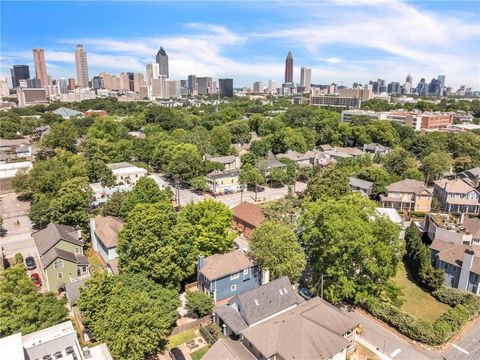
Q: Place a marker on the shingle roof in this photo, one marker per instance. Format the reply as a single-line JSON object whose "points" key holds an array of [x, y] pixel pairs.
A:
{"points": [[227, 349], [362, 184], [472, 225], [215, 174], [408, 186], [119, 165], [454, 186], [313, 330], [72, 290], [231, 317], [221, 265], [451, 253], [249, 213], [222, 159], [46, 238], [271, 298], [55, 253], [107, 229]]}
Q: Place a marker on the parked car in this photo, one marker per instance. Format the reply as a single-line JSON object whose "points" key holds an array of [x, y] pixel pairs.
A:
{"points": [[36, 279], [177, 354], [30, 262], [305, 293]]}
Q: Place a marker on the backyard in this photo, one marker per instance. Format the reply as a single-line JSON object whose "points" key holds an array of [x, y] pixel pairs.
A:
{"points": [[417, 301]]}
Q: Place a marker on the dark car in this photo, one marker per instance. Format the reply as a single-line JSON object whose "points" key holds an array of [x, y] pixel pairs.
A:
{"points": [[36, 279], [305, 293], [30, 262], [177, 354]]}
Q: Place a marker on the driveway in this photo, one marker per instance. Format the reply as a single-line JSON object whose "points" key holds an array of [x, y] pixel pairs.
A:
{"points": [[465, 347]]}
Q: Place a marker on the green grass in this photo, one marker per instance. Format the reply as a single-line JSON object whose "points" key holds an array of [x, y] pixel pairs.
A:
{"points": [[417, 301], [94, 260], [181, 338], [197, 355]]}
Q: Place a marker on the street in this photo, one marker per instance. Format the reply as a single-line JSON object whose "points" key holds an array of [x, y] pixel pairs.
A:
{"points": [[392, 346]]}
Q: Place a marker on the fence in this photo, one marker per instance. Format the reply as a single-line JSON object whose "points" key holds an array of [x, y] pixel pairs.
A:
{"points": [[192, 325]]}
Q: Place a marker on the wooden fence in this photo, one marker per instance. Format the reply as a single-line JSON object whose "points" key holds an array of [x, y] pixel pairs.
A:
{"points": [[192, 325]]}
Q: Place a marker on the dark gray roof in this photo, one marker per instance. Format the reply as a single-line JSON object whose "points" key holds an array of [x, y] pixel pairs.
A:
{"points": [[376, 147], [221, 159], [46, 238], [55, 253], [227, 349], [72, 290], [275, 164], [359, 183], [231, 318], [271, 298], [216, 174]]}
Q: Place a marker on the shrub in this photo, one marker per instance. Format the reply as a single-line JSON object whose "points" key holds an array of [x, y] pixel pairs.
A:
{"points": [[453, 297], [18, 259], [418, 214], [199, 303]]}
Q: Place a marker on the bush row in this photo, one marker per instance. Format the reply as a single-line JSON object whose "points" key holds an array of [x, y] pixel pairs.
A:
{"points": [[467, 307]]}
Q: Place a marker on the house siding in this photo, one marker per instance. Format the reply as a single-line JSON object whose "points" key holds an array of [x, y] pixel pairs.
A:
{"points": [[69, 271]]}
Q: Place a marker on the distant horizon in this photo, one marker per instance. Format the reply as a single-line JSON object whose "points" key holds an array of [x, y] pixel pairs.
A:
{"points": [[342, 41]]}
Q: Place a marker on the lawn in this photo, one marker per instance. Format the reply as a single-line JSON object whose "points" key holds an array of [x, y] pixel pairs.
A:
{"points": [[94, 260], [197, 355], [417, 301], [181, 338]]}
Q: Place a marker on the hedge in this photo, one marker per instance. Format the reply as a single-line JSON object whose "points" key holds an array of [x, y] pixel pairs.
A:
{"points": [[467, 307]]}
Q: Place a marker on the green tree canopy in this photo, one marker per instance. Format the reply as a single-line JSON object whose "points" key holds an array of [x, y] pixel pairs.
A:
{"points": [[22, 308], [211, 221], [435, 164], [62, 135], [145, 191], [329, 182], [199, 303], [355, 249], [275, 247]]}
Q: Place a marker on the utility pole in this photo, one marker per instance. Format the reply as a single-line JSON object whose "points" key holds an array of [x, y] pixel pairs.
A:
{"points": [[321, 286]]}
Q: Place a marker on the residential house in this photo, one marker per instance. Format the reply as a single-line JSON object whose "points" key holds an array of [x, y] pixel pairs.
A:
{"points": [[471, 177], [60, 248], [312, 330], [306, 160], [225, 275], [104, 232], [23, 151], [224, 182], [9, 170], [67, 113], [228, 349], [461, 264], [472, 225], [246, 218], [230, 162], [55, 342], [125, 173], [362, 186], [374, 149], [407, 194], [241, 149], [449, 228], [255, 306], [457, 196]]}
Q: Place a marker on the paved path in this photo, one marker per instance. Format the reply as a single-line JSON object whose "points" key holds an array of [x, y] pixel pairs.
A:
{"points": [[467, 346]]}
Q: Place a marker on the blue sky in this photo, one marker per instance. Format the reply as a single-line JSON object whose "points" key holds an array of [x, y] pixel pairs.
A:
{"points": [[341, 40]]}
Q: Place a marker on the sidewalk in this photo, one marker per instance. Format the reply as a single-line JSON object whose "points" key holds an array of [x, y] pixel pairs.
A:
{"points": [[372, 348]]}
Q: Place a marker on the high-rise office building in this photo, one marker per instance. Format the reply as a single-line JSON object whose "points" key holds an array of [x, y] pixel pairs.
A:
{"points": [[159, 87], [19, 72], [63, 85], [131, 80], [441, 79], [422, 87], [289, 68], [4, 91], [173, 88], [409, 79], [192, 84], [394, 88], [162, 61], [40, 66], [82, 66], [152, 72], [306, 78], [138, 82], [34, 84], [98, 83], [204, 86], [272, 86], [71, 84], [258, 87], [226, 87], [124, 81]]}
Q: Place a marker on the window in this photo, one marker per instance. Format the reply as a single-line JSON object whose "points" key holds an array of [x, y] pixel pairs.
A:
{"points": [[77, 250], [58, 264], [233, 287], [60, 275], [245, 271], [234, 276]]}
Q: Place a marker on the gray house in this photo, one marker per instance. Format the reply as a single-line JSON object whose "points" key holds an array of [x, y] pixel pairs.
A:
{"points": [[362, 186], [461, 264]]}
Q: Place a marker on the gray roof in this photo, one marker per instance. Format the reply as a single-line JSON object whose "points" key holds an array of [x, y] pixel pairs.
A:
{"points": [[275, 164], [218, 266], [407, 186], [312, 330], [231, 317], [218, 174], [271, 298], [376, 147], [66, 112], [221, 159], [227, 349], [22, 148], [362, 184], [72, 290], [55, 253], [473, 172], [46, 238], [119, 165]]}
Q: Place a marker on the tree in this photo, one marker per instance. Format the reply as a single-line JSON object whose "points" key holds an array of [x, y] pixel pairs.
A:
{"points": [[435, 164], [275, 248], [22, 308], [199, 303], [69, 206], [379, 176], [211, 221], [98, 171], [250, 175], [240, 131], [145, 191], [62, 135], [113, 206], [154, 245], [351, 247], [185, 162], [199, 184], [221, 139], [285, 211], [399, 161], [40, 211], [132, 314], [329, 182], [383, 132]]}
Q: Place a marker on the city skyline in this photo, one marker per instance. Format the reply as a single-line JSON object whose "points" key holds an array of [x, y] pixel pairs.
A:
{"points": [[232, 49]]}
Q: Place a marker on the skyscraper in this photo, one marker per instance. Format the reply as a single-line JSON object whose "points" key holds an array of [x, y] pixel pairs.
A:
{"points": [[204, 86], [192, 84], [258, 87], [409, 79], [226, 87], [71, 84], [152, 72], [138, 82], [289, 68], [272, 86], [63, 85], [305, 77], [162, 61], [98, 83], [82, 66], [19, 72], [40, 67]]}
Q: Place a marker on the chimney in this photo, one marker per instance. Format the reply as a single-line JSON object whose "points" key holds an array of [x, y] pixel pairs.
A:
{"points": [[467, 263], [265, 276], [462, 218], [201, 262]]}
